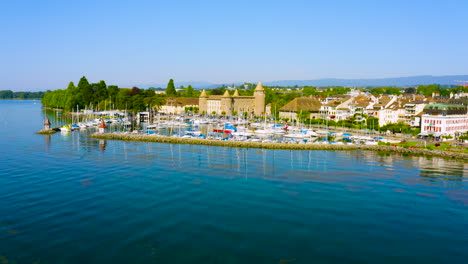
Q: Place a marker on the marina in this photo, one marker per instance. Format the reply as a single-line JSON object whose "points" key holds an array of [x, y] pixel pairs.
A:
{"points": [[234, 132], [237, 132]]}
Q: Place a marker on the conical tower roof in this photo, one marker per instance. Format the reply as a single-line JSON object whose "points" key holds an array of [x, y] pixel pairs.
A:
{"points": [[103, 124], [259, 87], [226, 94], [47, 122], [236, 93], [203, 93]]}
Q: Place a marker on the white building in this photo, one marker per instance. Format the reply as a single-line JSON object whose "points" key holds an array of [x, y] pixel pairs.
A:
{"points": [[390, 115], [412, 110], [337, 106], [444, 119]]}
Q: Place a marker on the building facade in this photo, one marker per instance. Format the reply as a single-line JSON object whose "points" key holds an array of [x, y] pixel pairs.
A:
{"points": [[178, 105], [444, 119], [228, 104], [310, 104]]}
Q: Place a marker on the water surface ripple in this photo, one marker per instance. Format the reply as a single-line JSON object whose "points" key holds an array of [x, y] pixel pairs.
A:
{"points": [[67, 198]]}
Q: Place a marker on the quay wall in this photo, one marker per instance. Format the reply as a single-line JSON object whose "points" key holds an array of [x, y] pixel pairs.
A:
{"points": [[241, 144]]}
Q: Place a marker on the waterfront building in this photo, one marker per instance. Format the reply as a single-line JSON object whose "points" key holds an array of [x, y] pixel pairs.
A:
{"points": [[362, 104], [178, 105], [311, 104], [337, 106], [413, 111], [444, 119], [227, 104], [394, 113], [386, 110]]}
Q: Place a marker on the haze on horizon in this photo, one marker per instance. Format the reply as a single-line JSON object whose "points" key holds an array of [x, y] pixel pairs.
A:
{"points": [[50, 43]]}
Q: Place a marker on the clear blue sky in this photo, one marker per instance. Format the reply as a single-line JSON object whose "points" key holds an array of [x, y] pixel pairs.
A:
{"points": [[46, 44]]}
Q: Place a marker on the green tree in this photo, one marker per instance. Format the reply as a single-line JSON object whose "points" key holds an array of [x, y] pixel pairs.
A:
{"points": [[217, 91], [427, 90], [377, 91], [189, 92], [410, 90], [71, 99], [170, 90], [101, 92], [6, 94], [112, 91], [122, 100], [71, 86], [86, 91], [138, 103], [302, 115], [155, 102], [309, 90], [392, 90], [372, 123]]}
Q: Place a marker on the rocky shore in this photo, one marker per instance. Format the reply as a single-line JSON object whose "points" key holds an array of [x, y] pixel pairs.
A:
{"points": [[47, 131], [241, 144]]}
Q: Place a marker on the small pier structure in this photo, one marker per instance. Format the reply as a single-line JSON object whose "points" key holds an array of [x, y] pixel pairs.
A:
{"points": [[102, 126]]}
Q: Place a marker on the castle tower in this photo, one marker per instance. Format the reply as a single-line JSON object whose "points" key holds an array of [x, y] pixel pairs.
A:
{"points": [[203, 103], [236, 93], [226, 103], [259, 95]]}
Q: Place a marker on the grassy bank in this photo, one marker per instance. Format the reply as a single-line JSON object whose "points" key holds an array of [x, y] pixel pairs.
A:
{"points": [[240, 144]]}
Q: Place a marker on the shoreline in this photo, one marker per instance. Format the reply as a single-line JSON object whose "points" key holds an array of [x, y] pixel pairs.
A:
{"points": [[280, 146]]}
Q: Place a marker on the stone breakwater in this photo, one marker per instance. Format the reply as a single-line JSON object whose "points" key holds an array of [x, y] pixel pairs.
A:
{"points": [[47, 131], [241, 144]]}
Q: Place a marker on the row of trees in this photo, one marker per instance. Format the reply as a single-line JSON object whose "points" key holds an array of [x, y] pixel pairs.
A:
{"points": [[99, 96], [426, 90], [8, 94], [385, 90]]}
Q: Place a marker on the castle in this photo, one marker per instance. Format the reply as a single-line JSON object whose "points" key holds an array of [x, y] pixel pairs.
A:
{"points": [[227, 104]]}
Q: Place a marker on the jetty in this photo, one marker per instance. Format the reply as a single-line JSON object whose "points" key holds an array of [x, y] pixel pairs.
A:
{"points": [[282, 146]]}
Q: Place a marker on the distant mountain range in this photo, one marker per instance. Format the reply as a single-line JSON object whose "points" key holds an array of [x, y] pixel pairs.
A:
{"points": [[399, 81], [196, 85]]}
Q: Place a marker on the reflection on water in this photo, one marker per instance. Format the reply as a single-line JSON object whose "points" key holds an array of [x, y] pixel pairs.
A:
{"points": [[68, 198], [290, 165], [102, 144], [47, 142]]}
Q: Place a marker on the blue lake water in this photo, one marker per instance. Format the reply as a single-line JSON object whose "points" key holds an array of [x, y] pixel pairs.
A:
{"points": [[67, 198]]}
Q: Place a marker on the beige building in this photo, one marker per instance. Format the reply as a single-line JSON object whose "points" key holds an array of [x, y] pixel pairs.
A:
{"points": [[227, 104], [310, 104], [177, 105]]}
